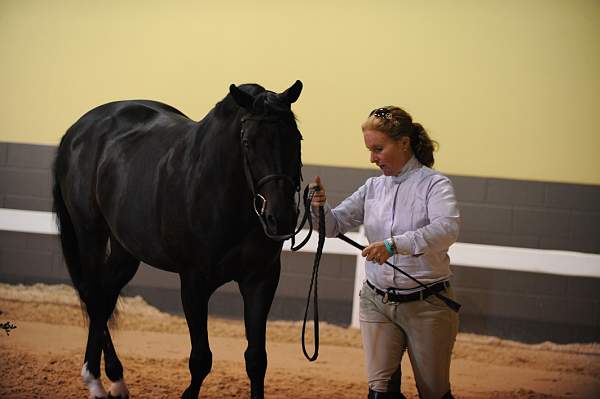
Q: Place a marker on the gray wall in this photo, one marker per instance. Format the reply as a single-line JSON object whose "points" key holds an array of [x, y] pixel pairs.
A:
{"points": [[25, 181], [529, 214], [518, 305]]}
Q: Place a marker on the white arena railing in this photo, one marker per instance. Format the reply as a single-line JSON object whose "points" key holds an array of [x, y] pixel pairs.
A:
{"points": [[564, 263]]}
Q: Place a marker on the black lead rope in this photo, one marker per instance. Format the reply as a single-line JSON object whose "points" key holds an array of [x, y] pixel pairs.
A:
{"points": [[449, 302], [307, 197], [314, 278]]}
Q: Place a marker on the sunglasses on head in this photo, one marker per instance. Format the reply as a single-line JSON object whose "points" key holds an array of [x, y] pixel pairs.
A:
{"points": [[383, 113]]}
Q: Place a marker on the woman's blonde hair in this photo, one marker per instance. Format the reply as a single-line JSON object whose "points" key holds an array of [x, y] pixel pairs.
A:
{"points": [[397, 123]]}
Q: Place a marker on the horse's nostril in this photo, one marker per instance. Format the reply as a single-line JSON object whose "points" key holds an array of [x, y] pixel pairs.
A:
{"points": [[271, 221]]}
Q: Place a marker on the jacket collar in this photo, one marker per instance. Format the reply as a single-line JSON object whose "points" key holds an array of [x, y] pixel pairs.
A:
{"points": [[409, 168]]}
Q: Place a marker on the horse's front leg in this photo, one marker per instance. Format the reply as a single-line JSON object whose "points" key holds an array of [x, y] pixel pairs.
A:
{"points": [[258, 292], [194, 297]]}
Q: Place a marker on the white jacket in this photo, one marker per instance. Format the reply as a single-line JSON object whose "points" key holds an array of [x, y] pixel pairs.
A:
{"points": [[418, 209]]}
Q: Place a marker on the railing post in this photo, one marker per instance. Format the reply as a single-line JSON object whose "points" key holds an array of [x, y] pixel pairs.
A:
{"points": [[359, 277]]}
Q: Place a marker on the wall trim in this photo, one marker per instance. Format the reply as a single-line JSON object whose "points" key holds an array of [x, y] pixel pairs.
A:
{"points": [[564, 263]]}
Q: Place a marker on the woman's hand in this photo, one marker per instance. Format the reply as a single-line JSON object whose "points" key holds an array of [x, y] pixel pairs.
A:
{"points": [[376, 252], [319, 197]]}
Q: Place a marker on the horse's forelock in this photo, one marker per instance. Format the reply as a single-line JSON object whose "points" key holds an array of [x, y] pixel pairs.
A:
{"points": [[227, 106], [274, 102], [269, 103]]}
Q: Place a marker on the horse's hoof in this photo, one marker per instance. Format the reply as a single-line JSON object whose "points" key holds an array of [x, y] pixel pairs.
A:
{"points": [[118, 390], [187, 394]]}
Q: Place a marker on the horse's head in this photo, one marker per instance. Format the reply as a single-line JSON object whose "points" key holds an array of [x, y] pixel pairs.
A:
{"points": [[270, 143]]}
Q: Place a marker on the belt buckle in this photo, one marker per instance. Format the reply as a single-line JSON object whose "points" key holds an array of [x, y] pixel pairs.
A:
{"points": [[386, 297]]}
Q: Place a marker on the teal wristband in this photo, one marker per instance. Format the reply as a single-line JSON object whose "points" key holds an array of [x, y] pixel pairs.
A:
{"points": [[388, 246]]}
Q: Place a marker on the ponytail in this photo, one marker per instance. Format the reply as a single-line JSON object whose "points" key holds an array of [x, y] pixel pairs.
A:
{"points": [[422, 145]]}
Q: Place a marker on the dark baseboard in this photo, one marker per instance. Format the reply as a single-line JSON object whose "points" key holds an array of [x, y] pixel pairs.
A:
{"points": [[529, 331]]}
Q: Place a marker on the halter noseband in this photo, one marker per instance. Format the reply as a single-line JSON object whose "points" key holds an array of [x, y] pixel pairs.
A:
{"points": [[260, 210]]}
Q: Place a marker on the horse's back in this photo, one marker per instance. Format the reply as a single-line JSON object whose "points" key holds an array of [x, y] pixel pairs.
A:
{"points": [[108, 162], [135, 120], [115, 117]]}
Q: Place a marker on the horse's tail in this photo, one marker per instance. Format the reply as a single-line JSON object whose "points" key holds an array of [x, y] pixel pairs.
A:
{"points": [[68, 238]]}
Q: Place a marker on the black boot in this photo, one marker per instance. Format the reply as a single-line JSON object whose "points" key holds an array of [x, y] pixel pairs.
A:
{"points": [[394, 382], [393, 391], [394, 385], [376, 395], [385, 395]]}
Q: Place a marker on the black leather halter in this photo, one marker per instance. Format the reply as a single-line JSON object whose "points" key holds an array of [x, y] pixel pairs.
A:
{"points": [[259, 202]]}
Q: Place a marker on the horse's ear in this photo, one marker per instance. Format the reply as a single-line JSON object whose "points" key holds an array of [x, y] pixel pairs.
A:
{"points": [[241, 98], [292, 94]]}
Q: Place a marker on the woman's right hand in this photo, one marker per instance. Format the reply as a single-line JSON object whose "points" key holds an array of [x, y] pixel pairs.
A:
{"points": [[319, 197]]}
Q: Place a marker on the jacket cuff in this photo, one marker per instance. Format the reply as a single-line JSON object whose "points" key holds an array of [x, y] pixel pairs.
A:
{"points": [[404, 245]]}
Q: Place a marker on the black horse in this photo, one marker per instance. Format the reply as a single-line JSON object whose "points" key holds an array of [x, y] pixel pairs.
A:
{"points": [[211, 200]]}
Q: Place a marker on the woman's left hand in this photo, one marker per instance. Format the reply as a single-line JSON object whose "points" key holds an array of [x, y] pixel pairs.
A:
{"points": [[376, 252]]}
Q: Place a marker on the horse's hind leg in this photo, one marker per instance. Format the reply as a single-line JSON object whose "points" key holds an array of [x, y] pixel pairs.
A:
{"points": [[258, 293], [92, 251], [99, 290], [114, 369], [120, 269]]}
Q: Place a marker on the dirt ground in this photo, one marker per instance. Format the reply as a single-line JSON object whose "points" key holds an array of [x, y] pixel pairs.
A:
{"points": [[42, 357]]}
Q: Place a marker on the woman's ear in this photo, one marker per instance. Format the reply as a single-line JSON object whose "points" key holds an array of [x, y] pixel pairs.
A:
{"points": [[405, 143]]}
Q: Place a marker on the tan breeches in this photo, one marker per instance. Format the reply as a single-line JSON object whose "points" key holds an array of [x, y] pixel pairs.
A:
{"points": [[427, 329]]}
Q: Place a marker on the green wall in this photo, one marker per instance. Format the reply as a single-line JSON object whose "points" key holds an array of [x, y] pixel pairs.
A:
{"points": [[510, 89]]}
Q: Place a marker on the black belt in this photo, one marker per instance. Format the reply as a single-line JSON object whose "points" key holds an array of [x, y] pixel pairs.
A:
{"points": [[390, 296]]}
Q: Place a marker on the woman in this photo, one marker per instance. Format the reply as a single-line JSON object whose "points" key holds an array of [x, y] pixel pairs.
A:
{"points": [[410, 218]]}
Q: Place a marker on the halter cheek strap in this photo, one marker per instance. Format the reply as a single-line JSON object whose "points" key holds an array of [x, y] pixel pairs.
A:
{"points": [[260, 197]]}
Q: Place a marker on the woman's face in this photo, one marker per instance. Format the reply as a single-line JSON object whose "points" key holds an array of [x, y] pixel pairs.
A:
{"points": [[388, 154]]}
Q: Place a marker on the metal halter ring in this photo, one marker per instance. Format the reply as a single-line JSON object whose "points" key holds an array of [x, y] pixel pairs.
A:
{"points": [[263, 206]]}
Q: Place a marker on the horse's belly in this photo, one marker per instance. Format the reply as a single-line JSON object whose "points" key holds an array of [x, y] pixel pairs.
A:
{"points": [[149, 252]]}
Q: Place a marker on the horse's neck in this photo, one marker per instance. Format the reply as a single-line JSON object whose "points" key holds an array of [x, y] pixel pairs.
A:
{"points": [[215, 152], [215, 181]]}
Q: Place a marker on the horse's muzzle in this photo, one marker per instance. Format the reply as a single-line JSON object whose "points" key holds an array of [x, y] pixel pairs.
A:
{"points": [[273, 225]]}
